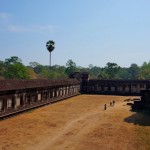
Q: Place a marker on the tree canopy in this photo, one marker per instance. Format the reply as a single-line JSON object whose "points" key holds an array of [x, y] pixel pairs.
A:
{"points": [[50, 46], [71, 67], [13, 68]]}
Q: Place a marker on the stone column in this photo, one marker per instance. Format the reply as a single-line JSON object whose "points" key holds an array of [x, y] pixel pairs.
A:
{"points": [[14, 100], [4, 104], [22, 99]]}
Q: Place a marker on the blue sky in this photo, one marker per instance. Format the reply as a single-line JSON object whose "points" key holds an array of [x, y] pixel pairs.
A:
{"points": [[86, 31]]}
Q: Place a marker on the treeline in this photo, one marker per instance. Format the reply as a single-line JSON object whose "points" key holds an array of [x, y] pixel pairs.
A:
{"points": [[13, 68]]}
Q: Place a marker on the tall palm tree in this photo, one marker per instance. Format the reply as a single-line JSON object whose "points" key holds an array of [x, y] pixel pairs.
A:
{"points": [[50, 47]]}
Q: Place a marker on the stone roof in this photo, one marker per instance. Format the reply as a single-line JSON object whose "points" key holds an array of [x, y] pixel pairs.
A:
{"points": [[6, 85], [119, 81]]}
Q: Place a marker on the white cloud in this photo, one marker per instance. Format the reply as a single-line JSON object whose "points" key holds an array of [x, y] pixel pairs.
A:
{"points": [[28, 29], [7, 25], [45, 28], [5, 16], [13, 28]]}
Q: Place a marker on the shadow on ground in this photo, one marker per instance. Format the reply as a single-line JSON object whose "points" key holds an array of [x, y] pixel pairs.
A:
{"points": [[141, 118]]}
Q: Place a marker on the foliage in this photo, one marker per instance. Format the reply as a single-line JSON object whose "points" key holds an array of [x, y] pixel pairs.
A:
{"points": [[94, 71], [50, 46], [31, 73], [134, 71], [34, 64], [145, 71], [71, 67], [13, 68], [103, 74], [123, 73], [2, 68], [52, 72], [111, 70], [13, 60], [16, 71]]}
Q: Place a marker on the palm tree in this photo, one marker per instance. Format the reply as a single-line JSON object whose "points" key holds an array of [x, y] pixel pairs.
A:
{"points": [[50, 47]]}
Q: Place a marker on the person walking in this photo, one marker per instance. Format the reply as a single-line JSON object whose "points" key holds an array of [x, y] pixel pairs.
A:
{"points": [[110, 103], [113, 103], [105, 107]]}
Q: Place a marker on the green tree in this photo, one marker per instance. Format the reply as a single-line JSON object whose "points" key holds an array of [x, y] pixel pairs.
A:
{"points": [[71, 67], [31, 73], [13, 60], [94, 71], [34, 64], [16, 71], [50, 47], [134, 71], [112, 69], [2, 70], [145, 71], [38, 68], [123, 73], [103, 75], [60, 71]]}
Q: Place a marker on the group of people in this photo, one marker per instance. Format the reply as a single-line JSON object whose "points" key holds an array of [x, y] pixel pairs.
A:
{"points": [[111, 104]]}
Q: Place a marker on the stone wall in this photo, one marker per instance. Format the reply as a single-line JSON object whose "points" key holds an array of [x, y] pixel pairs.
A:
{"points": [[115, 87], [20, 95]]}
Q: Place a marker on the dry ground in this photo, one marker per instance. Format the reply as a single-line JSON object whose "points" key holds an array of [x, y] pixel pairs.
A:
{"points": [[78, 123]]}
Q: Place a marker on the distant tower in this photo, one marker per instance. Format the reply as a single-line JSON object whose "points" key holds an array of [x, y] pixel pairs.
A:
{"points": [[50, 47], [85, 81]]}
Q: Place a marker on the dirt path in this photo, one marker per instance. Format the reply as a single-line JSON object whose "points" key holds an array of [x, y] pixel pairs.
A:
{"points": [[80, 123]]}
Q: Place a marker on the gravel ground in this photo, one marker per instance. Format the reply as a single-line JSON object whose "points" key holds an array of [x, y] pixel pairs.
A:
{"points": [[78, 123]]}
